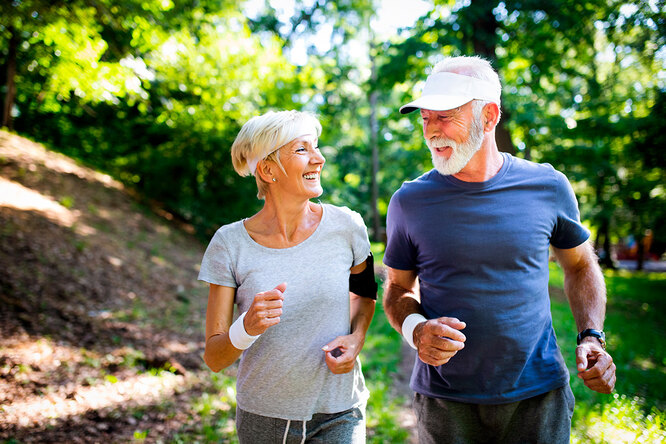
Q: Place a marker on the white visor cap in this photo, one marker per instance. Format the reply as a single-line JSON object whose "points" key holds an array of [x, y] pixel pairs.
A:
{"points": [[446, 90]]}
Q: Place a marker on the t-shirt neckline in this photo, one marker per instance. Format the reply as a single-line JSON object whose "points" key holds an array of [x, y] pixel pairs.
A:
{"points": [[478, 185], [307, 240]]}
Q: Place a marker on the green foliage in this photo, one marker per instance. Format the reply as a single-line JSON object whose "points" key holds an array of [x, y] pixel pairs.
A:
{"points": [[159, 110], [155, 91]]}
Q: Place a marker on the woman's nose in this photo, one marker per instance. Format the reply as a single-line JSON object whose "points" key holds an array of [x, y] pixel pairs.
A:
{"points": [[318, 157]]}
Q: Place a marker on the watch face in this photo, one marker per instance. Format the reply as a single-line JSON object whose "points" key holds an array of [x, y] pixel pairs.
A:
{"points": [[600, 335]]}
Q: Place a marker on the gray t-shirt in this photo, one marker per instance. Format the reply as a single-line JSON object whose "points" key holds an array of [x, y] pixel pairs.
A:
{"points": [[283, 374]]}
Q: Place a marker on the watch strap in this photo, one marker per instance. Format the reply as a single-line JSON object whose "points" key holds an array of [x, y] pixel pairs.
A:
{"points": [[600, 335]]}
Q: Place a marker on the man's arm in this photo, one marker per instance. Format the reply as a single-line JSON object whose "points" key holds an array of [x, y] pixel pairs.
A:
{"points": [[585, 288], [401, 296], [437, 340]]}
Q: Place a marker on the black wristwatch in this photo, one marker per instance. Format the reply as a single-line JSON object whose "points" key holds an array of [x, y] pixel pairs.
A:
{"points": [[600, 335]]}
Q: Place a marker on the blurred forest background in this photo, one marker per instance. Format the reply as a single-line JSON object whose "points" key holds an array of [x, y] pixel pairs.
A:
{"points": [[101, 316], [153, 92]]}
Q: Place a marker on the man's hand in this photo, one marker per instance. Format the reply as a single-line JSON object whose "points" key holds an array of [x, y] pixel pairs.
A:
{"points": [[438, 340], [595, 366]]}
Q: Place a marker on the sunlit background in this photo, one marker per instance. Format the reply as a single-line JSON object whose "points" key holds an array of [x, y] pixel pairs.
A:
{"points": [[145, 97]]}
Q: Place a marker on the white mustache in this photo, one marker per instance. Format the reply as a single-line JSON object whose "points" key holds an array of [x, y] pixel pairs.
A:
{"points": [[440, 142]]}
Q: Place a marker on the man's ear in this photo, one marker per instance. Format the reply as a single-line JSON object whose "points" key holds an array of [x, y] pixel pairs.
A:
{"points": [[491, 114]]}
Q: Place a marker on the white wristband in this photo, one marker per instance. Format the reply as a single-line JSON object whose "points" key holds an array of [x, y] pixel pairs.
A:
{"points": [[408, 326], [238, 336]]}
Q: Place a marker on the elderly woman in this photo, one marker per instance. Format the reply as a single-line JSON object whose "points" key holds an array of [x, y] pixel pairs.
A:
{"points": [[301, 275]]}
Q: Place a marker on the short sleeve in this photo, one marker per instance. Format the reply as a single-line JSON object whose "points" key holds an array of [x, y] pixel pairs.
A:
{"points": [[216, 263], [400, 251], [359, 241], [568, 231]]}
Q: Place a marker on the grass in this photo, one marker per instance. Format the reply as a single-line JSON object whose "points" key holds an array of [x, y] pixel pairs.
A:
{"points": [[635, 334], [214, 412], [381, 358]]}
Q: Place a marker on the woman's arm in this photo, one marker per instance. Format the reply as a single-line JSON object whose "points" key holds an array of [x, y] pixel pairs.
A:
{"points": [[219, 352], [362, 308], [341, 353], [264, 312]]}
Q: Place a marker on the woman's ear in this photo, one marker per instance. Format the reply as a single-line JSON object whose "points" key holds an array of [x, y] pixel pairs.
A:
{"points": [[265, 171]]}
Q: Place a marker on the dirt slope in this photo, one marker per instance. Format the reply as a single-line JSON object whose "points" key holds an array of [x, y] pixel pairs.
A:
{"points": [[97, 295]]}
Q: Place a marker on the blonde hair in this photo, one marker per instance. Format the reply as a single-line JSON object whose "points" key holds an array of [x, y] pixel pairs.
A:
{"points": [[472, 66], [262, 136]]}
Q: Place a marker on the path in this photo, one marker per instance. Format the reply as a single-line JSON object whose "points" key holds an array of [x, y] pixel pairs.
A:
{"points": [[406, 417]]}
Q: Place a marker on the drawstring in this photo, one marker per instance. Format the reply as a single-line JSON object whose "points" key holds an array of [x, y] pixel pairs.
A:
{"points": [[284, 440], [286, 432]]}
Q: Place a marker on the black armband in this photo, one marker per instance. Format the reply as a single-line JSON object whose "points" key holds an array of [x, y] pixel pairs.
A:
{"points": [[363, 283]]}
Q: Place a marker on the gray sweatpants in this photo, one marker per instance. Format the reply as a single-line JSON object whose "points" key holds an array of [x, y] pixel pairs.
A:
{"points": [[542, 419], [346, 427]]}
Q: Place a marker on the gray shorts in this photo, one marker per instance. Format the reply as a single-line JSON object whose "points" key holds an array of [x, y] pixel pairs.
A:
{"points": [[542, 419], [346, 427]]}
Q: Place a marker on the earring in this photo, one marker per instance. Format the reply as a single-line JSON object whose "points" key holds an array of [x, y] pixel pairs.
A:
{"points": [[274, 179]]}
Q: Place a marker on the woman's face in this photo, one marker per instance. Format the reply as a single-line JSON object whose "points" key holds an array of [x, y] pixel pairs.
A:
{"points": [[303, 163]]}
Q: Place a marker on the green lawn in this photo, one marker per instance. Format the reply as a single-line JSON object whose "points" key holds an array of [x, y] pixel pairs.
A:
{"points": [[636, 337]]}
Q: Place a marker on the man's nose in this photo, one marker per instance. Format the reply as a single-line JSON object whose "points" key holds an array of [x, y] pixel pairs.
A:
{"points": [[431, 129]]}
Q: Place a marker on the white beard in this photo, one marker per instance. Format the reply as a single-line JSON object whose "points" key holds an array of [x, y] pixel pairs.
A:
{"points": [[462, 152]]}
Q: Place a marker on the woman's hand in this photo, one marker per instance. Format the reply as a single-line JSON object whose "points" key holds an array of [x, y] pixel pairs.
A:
{"points": [[342, 351], [265, 310]]}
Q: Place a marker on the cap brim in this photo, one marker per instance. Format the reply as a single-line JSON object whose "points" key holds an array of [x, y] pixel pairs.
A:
{"points": [[435, 103]]}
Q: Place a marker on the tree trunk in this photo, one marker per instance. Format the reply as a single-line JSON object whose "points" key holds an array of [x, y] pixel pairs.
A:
{"points": [[7, 120], [503, 137], [374, 130], [602, 243], [484, 41], [640, 252]]}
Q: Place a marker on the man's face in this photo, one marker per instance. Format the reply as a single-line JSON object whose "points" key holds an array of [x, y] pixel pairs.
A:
{"points": [[453, 136]]}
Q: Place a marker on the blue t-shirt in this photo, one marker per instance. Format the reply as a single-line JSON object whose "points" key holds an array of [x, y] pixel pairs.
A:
{"points": [[481, 250]]}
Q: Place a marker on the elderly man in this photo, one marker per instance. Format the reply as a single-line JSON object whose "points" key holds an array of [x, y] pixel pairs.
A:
{"points": [[467, 257]]}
